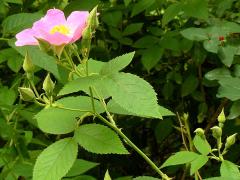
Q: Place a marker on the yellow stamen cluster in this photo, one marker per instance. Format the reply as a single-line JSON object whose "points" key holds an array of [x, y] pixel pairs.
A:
{"points": [[61, 29]]}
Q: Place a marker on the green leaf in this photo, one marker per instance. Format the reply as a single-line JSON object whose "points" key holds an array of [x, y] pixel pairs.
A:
{"points": [[17, 22], [211, 45], [181, 157], [219, 178], [13, 58], [145, 178], [199, 54], [170, 13], [151, 56], [165, 112], [113, 18], [56, 121], [201, 145], [127, 2], [56, 160], [195, 34], [81, 166], [197, 163], [189, 85], [145, 41], [226, 54], [6, 54], [140, 6], [132, 28], [80, 84], [15, 64], [234, 110], [223, 6], [61, 121], [99, 139], [14, 1], [117, 64], [7, 96], [126, 90], [80, 5], [117, 109], [218, 74], [82, 177], [43, 60], [236, 71], [200, 12], [133, 93], [230, 88], [107, 176], [229, 170], [94, 67], [160, 130]]}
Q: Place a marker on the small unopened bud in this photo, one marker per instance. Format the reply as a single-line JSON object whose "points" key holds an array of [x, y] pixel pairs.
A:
{"points": [[87, 33], [200, 132], [26, 94], [221, 117], [230, 140], [92, 19], [86, 41], [216, 132], [185, 116], [28, 66], [48, 85]]}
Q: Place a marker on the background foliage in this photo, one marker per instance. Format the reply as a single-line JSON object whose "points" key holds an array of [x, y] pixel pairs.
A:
{"points": [[188, 50]]}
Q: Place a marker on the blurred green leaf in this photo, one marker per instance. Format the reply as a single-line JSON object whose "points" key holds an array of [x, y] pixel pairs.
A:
{"points": [[229, 88], [145, 41], [171, 12], [195, 34], [17, 22], [218, 74], [151, 56], [132, 28], [234, 110], [140, 6], [201, 12], [189, 85], [226, 54]]}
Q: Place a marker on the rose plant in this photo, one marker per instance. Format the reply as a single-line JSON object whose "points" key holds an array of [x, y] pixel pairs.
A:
{"points": [[107, 91]]}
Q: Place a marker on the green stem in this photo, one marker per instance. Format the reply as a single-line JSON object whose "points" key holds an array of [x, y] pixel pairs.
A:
{"points": [[92, 100], [34, 88], [4, 39], [69, 59], [131, 144], [76, 53], [71, 109]]}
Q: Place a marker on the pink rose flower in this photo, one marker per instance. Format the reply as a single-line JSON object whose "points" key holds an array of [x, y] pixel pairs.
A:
{"points": [[54, 28]]}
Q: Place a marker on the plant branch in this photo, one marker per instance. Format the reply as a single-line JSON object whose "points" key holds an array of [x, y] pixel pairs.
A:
{"points": [[131, 144]]}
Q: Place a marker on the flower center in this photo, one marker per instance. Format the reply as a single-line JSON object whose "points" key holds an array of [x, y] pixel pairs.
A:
{"points": [[61, 29]]}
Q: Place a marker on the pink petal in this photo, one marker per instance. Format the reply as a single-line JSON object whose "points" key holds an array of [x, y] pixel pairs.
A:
{"points": [[77, 21], [52, 18], [26, 37], [56, 38]]}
